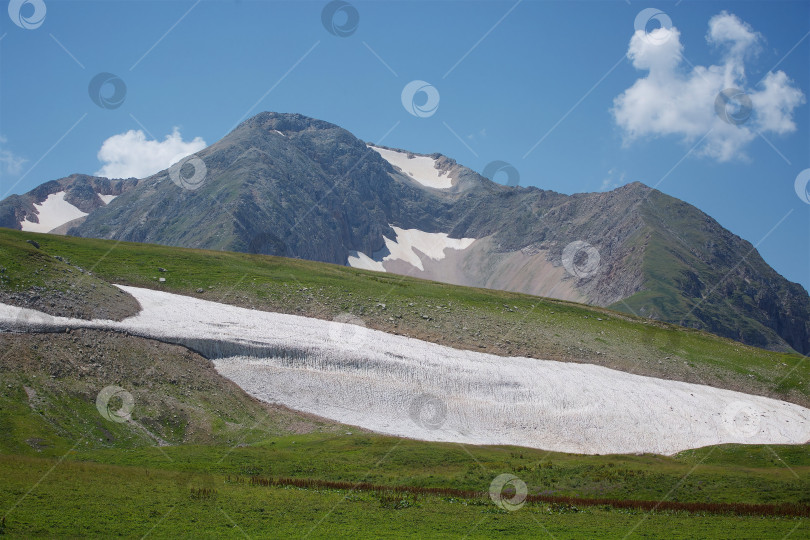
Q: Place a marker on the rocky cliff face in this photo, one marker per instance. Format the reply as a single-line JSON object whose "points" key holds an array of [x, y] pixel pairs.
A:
{"points": [[87, 193], [285, 184]]}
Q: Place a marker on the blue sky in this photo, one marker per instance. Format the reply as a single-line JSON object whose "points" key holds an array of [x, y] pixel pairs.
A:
{"points": [[534, 84]]}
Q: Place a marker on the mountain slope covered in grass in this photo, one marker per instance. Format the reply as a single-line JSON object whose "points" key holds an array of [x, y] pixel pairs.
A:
{"points": [[698, 274]]}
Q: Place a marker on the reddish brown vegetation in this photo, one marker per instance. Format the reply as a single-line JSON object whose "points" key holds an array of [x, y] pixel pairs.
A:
{"points": [[742, 509]]}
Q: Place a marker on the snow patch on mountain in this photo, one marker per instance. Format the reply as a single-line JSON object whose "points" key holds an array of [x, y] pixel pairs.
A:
{"points": [[358, 259], [411, 388], [52, 212], [407, 246], [107, 198], [409, 241], [420, 168]]}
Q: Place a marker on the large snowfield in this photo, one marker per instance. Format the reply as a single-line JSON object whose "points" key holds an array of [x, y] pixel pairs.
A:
{"points": [[52, 213], [406, 387]]}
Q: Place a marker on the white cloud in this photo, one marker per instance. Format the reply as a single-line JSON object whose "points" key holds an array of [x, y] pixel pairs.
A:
{"points": [[611, 182], [131, 154], [737, 37], [481, 133], [678, 99], [10, 163]]}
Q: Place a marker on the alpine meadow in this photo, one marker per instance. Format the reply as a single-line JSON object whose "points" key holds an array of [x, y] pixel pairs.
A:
{"points": [[362, 269]]}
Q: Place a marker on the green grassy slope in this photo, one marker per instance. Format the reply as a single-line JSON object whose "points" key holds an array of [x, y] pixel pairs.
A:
{"points": [[135, 502], [697, 274], [68, 471], [663, 297], [32, 278]]}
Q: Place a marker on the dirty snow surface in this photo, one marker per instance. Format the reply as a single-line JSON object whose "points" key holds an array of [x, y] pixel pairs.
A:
{"points": [[420, 168], [407, 246], [410, 388], [53, 212]]}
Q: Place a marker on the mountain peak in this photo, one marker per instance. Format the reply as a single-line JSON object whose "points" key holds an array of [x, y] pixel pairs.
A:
{"points": [[635, 188], [284, 122]]}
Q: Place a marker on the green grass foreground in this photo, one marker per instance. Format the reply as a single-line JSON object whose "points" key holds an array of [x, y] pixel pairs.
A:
{"points": [[97, 500]]}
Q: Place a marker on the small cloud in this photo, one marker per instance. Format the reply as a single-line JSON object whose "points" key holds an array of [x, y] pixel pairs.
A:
{"points": [[679, 100], [131, 154], [610, 182], [608, 185], [10, 163], [482, 133]]}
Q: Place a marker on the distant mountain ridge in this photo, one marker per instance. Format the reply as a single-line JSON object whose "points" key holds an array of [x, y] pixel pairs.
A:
{"points": [[285, 184], [76, 194]]}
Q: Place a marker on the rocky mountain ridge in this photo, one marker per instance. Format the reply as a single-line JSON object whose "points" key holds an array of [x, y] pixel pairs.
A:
{"points": [[285, 184]]}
